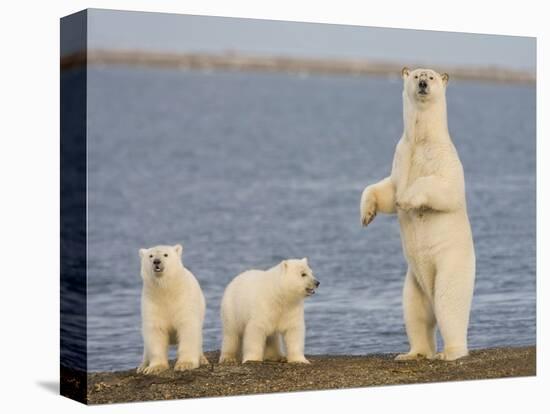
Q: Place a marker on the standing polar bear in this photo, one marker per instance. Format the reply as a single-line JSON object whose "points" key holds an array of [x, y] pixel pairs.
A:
{"points": [[426, 190], [259, 306], [172, 310]]}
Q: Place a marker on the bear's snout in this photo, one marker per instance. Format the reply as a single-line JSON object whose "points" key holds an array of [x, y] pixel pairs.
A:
{"points": [[422, 84], [158, 267], [312, 285]]}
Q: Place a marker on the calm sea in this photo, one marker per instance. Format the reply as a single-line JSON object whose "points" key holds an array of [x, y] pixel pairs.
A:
{"points": [[245, 169]]}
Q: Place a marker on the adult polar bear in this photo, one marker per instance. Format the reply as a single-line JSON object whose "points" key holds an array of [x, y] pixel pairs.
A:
{"points": [[426, 190]]}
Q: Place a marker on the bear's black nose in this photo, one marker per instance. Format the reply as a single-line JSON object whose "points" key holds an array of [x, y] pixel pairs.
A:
{"points": [[423, 84], [317, 283], [156, 261]]}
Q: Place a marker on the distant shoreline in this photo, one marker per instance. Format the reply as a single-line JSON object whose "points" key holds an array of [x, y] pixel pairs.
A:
{"points": [[285, 64], [324, 372]]}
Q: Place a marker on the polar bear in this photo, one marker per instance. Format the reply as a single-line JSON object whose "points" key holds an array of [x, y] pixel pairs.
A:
{"points": [[426, 190], [172, 310], [258, 307]]}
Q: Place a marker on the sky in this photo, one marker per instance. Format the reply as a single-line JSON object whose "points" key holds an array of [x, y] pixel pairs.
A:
{"points": [[109, 29]]}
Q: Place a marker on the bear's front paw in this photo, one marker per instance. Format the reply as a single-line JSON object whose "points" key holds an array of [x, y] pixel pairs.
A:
{"points": [[408, 202], [368, 208], [298, 360], [141, 368], [185, 365], [155, 369]]}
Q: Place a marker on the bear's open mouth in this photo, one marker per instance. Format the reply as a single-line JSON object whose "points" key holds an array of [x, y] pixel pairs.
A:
{"points": [[157, 269], [310, 291]]}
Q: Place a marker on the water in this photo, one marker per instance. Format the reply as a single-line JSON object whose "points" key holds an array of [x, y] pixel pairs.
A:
{"points": [[246, 169]]}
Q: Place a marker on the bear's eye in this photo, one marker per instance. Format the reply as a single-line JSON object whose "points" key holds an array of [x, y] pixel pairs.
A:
{"points": [[431, 77], [416, 76], [151, 256], [165, 254], [304, 274]]}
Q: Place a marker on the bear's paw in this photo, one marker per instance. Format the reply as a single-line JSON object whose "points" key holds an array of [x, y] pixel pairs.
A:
{"points": [[185, 365], [155, 369]]}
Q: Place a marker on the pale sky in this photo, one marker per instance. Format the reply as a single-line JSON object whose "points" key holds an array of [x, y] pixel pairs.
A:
{"points": [[109, 29]]}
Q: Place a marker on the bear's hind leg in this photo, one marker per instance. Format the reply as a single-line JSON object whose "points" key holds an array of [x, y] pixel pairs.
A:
{"points": [[273, 349], [231, 345], [454, 287], [419, 321]]}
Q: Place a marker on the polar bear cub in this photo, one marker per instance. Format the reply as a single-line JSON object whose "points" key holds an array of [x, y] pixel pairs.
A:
{"points": [[426, 189], [258, 307], [172, 310]]}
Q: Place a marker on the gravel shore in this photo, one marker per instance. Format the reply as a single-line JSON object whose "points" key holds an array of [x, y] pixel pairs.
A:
{"points": [[324, 372]]}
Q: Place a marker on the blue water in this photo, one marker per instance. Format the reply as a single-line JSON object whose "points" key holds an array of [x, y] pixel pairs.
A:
{"points": [[245, 169]]}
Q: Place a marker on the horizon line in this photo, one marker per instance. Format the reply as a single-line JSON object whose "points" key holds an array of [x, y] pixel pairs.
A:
{"points": [[237, 61]]}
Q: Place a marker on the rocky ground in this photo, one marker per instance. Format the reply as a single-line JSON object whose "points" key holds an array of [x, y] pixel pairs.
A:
{"points": [[324, 372]]}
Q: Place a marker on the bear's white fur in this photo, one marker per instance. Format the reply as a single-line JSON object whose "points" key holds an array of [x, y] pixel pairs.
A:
{"points": [[426, 190], [258, 307], [172, 311]]}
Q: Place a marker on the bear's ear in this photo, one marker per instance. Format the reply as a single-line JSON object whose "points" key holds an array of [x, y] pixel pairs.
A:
{"points": [[142, 252], [178, 248], [304, 260], [284, 265], [405, 72], [445, 78]]}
